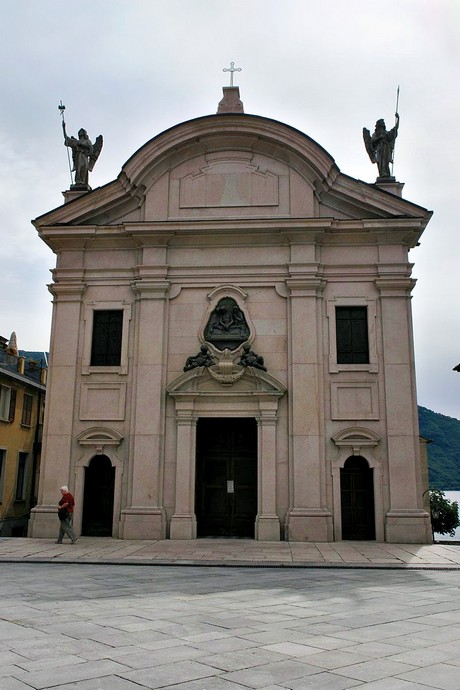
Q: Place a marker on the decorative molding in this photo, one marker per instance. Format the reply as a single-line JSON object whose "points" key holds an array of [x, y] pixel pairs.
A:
{"points": [[352, 301], [102, 401], [355, 439], [354, 400]]}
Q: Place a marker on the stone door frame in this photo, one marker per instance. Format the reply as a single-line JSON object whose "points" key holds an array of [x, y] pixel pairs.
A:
{"points": [[357, 441], [98, 441], [196, 394]]}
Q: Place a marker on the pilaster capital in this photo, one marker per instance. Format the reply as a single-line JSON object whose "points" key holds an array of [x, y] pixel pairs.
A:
{"points": [[151, 288], [67, 292], [305, 286], [395, 287]]}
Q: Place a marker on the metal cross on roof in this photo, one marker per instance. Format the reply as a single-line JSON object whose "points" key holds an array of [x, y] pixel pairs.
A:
{"points": [[231, 69]]}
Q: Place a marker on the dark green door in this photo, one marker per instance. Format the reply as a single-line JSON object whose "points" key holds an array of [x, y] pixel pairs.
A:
{"points": [[98, 498], [357, 495], [226, 477]]}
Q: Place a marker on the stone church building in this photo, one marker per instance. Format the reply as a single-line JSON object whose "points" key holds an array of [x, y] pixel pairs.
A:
{"points": [[231, 350]]}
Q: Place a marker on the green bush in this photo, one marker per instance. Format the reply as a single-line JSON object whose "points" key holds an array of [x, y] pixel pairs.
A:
{"points": [[444, 513]]}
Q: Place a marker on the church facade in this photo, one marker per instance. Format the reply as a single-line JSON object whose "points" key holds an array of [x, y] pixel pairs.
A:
{"points": [[231, 349]]}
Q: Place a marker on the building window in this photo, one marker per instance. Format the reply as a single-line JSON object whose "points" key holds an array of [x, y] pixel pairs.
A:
{"points": [[21, 476], [7, 403], [107, 338], [352, 335], [26, 419], [2, 471]]}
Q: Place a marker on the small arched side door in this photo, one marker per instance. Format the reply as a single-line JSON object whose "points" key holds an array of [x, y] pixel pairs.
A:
{"points": [[98, 498], [357, 499]]}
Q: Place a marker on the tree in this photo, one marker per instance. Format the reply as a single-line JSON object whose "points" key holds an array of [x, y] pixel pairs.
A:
{"points": [[444, 513]]}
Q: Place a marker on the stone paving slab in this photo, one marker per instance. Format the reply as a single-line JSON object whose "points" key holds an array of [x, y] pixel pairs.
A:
{"points": [[231, 552], [214, 628]]}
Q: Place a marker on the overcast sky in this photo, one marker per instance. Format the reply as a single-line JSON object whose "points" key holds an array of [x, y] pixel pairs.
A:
{"points": [[130, 69]]}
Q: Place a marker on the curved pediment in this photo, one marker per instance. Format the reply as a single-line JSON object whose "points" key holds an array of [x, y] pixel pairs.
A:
{"points": [[251, 382], [230, 166], [356, 436], [99, 436]]}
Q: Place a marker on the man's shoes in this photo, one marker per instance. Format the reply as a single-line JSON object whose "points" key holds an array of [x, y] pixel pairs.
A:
{"points": [[58, 542], [74, 540]]}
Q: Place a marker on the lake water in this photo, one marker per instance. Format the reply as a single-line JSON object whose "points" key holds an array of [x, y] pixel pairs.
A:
{"points": [[451, 496]]}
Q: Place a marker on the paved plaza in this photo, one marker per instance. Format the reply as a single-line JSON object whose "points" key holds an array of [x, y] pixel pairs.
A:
{"points": [[230, 552], [103, 626]]}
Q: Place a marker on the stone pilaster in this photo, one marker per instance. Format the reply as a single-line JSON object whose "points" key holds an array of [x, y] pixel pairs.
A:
{"points": [[59, 409], [308, 519], [144, 516], [406, 520], [267, 521], [183, 522]]}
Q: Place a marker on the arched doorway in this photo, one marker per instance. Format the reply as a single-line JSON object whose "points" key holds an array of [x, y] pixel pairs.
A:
{"points": [[226, 477], [357, 499], [98, 497]]}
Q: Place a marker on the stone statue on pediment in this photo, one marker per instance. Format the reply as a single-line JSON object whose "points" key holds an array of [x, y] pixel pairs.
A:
{"points": [[251, 359], [84, 156], [201, 359], [380, 145]]}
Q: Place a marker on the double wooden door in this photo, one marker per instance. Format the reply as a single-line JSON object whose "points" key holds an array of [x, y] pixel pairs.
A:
{"points": [[226, 477]]}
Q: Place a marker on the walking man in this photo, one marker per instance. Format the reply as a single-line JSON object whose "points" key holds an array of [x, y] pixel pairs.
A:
{"points": [[65, 514]]}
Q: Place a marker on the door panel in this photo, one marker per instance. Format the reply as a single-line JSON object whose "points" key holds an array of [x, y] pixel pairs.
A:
{"points": [[357, 496], [226, 485]]}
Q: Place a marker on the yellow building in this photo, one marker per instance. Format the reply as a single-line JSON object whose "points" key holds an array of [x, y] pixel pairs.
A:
{"points": [[22, 398]]}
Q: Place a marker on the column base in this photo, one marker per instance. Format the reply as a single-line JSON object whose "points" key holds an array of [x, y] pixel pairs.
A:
{"points": [[182, 527], [43, 522], [142, 523], [309, 525], [408, 527], [267, 528]]}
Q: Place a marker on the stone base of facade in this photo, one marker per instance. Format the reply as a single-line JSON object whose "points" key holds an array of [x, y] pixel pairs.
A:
{"points": [[309, 525], [142, 523], [408, 527], [267, 528], [43, 522], [182, 527]]}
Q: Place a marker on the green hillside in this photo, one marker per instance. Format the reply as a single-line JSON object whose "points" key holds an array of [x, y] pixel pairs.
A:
{"points": [[444, 451]]}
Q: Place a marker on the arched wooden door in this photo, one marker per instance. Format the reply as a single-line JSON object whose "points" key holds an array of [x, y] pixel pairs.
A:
{"points": [[357, 499], [98, 498]]}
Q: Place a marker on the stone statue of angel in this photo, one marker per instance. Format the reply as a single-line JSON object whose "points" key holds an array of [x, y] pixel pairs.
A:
{"points": [[84, 155], [380, 145]]}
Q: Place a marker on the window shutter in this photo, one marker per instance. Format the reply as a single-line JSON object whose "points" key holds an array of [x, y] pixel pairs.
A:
{"points": [[12, 405]]}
